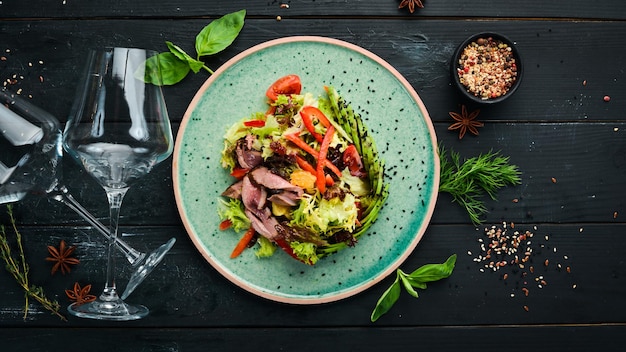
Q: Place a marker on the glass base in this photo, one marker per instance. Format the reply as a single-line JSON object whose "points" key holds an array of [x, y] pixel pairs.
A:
{"points": [[143, 269], [108, 310]]}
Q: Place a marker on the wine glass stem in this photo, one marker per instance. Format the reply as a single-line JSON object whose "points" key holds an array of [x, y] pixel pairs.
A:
{"points": [[63, 195], [115, 197]]}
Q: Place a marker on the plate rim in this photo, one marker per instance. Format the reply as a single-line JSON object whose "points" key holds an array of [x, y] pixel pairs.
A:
{"points": [[328, 297]]}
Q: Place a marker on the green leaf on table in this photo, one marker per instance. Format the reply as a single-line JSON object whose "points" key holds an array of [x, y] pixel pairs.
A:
{"points": [[219, 34], [165, 69], [434, 272], [417, 279], [387, 300], [195, 65], [408, 286]]}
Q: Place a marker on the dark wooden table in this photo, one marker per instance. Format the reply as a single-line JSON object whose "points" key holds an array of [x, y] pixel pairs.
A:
{"points": [[557, 127]]}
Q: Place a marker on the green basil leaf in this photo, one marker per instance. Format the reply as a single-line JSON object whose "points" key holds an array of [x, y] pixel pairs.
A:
{"points": [[387, 300], [408, 286], [434, 272], [219, 34], [415, 283], [165, 69], [195, 65]]}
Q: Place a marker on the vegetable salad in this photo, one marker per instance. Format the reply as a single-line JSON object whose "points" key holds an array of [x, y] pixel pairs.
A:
{"points": [[307, 176]]}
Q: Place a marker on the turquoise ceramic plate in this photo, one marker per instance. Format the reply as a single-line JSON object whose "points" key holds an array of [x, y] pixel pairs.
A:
{"points": [[394, 114]]}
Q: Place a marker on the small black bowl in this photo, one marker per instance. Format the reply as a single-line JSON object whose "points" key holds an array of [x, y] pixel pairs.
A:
{"points": [[485, 63]]}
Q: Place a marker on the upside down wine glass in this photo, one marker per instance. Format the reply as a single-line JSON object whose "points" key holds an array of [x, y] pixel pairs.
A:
{"points": [[30, 163], [118, 131]]}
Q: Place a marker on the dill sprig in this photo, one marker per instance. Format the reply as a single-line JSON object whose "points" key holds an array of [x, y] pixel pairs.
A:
{"points": [[467, 182], [19, 269]]}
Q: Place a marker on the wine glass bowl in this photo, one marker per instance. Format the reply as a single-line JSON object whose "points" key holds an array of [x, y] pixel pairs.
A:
{"points": [[118, 130], [30, 141]]}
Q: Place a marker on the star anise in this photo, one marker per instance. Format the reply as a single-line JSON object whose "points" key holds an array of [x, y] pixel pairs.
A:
{"points": [[80, 295], [411, 4], [62, 258], [465, 122]]}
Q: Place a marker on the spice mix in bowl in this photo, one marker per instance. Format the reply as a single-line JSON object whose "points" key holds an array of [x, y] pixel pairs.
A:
{"points": [[486, 67]]}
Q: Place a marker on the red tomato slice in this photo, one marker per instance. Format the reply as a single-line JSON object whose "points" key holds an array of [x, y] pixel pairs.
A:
{"points": [[352, 160], [289, 84]]}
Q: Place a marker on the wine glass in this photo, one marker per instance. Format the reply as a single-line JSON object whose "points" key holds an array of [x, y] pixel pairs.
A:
{"points": [[118, 131], [30, 141]]}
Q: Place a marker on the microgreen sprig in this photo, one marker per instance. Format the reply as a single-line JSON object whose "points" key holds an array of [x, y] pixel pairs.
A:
{"points": [[172, 66], [467, 182], [19, 269], [416, 279]]}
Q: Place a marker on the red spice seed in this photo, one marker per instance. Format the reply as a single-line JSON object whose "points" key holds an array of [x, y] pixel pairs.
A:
{"points": [[526, 308], [607, 98], [553, 180]]}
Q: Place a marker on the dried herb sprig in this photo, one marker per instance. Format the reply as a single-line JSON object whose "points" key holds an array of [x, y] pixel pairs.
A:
{"points": [[19, 269], [467, 182]]}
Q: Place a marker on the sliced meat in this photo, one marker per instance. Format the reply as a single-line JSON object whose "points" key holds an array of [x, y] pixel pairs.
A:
{"points": [[253, 196], [247, 157], [285, 198], [264, 223], [264, 177], [234, 190]]}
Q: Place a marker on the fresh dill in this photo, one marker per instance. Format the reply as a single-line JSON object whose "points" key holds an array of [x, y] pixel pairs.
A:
{"points": [[19, 269], [468, 181]]}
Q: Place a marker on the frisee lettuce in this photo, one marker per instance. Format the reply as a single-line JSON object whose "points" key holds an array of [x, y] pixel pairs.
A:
{"points": [[233, 210]]}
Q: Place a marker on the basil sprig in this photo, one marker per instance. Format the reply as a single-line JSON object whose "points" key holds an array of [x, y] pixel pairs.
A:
{"points": [[172, 66], [416, 279]]}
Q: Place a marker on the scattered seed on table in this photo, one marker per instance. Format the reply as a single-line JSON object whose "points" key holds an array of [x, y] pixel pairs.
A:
{"points": [[526, 308], [615, 215], [553, 180], [607, 98]]}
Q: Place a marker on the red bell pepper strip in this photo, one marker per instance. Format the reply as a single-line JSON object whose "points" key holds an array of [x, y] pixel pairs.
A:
{"points": [[287, 248], [243, 242], [321, 158], [225, 224], [254, 123], [308, 114], [304, 165], [295, 139], [239, 172], [311, 112]]}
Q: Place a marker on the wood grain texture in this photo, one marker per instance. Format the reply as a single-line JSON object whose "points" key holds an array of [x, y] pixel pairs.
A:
{"points": [[557, 126], [552, 87], [604, 9], [186, 291], [516, 338]]}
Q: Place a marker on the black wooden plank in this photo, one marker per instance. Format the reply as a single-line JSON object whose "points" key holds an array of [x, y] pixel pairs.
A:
{"points": [[513, 338], [605, 9], [556, 54], [587, 161], [186, 291]]}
